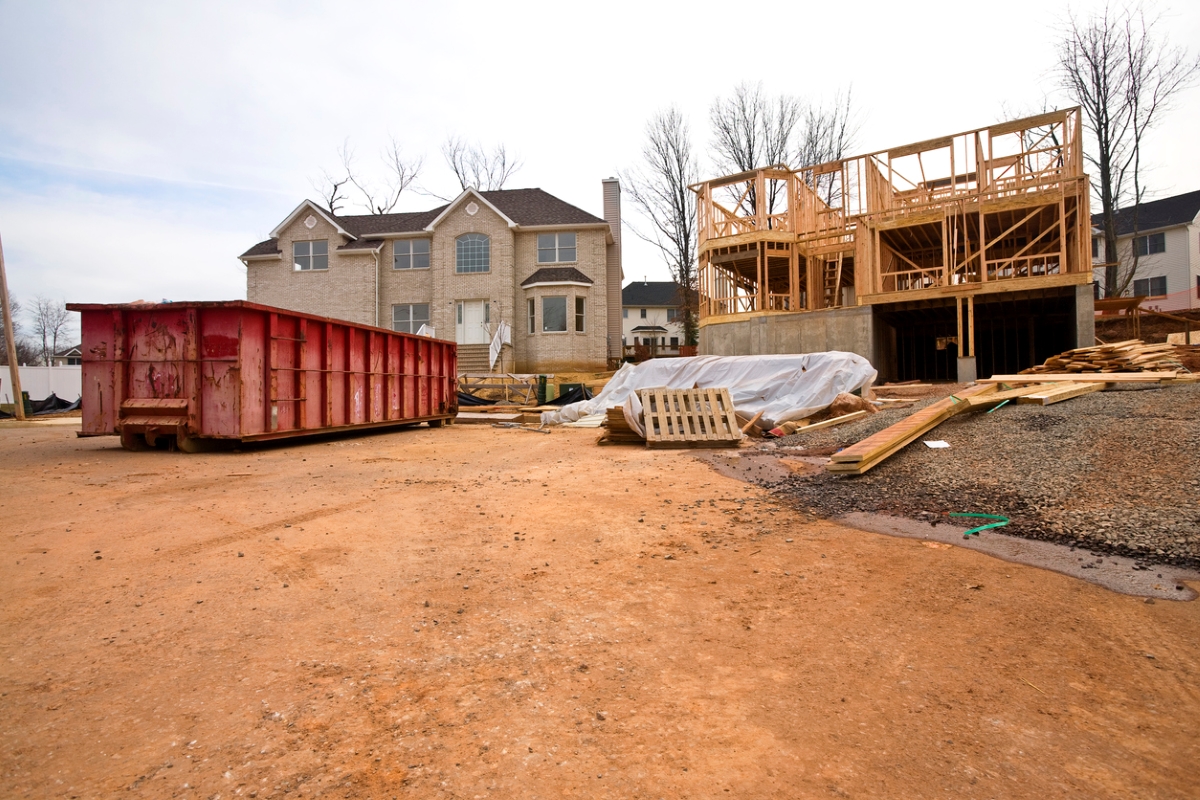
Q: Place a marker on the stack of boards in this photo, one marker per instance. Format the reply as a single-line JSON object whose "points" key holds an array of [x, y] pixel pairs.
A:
{"points": [[679, 418], [1132, 355], [1039, 389]]}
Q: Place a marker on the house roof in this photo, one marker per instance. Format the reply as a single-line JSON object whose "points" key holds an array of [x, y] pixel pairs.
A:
{"points": [[269, 247], [73, 350], [528, 207], [1168, 212], [365, 245], [651, 293], [557, 275]]}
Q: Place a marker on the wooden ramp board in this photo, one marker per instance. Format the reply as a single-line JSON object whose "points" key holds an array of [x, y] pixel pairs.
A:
{"points": [[858, 458], [1075, 377], [1061, 392], [689, 418]]}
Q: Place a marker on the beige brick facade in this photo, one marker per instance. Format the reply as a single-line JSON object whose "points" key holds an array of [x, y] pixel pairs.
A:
{"points": [[349, 287], [344, 291]]}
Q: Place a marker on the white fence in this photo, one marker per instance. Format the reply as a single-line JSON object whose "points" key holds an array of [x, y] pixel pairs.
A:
{"points": [[40, 382]]}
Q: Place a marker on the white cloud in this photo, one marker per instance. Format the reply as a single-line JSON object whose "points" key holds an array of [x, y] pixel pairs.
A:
{"points": [[258, 96]]}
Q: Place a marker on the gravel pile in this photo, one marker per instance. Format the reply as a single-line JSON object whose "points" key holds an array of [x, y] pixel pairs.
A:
{"points": [[1115, 471]]}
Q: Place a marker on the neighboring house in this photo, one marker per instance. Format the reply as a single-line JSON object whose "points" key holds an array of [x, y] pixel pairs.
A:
{"points": [[652, 317], [1168, 249], [67, 357], [549, 269]]}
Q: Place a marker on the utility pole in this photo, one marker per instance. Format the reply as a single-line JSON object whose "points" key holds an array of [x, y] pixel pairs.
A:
{"points": [[14, 371]]}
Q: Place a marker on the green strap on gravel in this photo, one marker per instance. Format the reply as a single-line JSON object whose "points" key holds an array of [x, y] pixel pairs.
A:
{"points": [[1002, 521]]}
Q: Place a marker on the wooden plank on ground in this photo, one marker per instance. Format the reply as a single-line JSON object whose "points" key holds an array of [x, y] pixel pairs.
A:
{"points": [[906, 430], [1063, 391], [474, 417], [833, 421], [993, 398], [1073, 377]]}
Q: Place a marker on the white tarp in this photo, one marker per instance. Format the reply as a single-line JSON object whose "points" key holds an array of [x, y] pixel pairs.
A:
{"points": [[783, 387]]}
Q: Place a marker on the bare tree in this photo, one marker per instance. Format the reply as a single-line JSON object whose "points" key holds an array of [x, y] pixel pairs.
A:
{"points": [[377, 195], [332, 185], [659, 189], [51, 323], [27, 353], [750, 130], [476, 168], [827, 134], [1124, 77]]}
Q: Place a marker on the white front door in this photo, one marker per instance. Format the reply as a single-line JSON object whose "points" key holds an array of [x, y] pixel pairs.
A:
{"points": [[471, 322]]}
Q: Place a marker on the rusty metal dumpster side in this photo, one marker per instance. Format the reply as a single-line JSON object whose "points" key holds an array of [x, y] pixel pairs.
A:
{"points": [[238, 370]]}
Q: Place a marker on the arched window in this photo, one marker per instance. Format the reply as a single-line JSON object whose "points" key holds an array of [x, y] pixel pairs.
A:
{"points": [[473, 253]]}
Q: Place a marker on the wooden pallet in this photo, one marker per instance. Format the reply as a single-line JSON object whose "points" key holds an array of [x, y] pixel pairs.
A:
{"points": [[689, 418]]}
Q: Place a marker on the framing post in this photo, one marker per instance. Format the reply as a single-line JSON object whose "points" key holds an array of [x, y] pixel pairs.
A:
{"points": [[14, 369]]}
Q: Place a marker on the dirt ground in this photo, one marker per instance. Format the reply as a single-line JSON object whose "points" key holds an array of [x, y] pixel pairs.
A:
{"points": [[472, 612]]}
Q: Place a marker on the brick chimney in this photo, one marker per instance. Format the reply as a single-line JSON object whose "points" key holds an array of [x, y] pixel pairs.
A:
{"points": [[614, 273]]}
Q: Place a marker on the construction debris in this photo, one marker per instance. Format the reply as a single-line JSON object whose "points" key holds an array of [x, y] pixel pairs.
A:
{"points": [[783, 387], [789, 428]]}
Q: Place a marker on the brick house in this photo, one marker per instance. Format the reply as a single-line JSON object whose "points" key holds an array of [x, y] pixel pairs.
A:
{"points": [[550, 270]]}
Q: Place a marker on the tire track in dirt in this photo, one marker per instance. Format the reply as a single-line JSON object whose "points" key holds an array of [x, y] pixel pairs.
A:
{"points": [[195, 548]]}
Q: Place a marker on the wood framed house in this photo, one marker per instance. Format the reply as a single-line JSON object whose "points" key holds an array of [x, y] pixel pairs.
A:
{"points": [[936, 260]]}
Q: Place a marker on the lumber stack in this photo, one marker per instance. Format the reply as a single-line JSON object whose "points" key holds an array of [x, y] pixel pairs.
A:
{"points": [[1132, 355], [619, 431]]}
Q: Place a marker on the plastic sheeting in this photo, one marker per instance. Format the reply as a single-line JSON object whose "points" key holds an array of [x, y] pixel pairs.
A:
{"points": [[783, 387]]}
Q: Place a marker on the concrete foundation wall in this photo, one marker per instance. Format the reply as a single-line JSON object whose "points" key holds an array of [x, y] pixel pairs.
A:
{"points": [[851, 330], [1085, 316]]}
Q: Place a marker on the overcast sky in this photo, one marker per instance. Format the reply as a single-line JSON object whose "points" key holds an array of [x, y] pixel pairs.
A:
{"points": [[144, 146]]}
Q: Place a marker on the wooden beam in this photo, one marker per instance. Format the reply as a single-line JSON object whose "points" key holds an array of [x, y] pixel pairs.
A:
{"points": [[1079, 377], [1063, 391]]}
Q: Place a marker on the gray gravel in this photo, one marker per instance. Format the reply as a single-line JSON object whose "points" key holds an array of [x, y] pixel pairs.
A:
{"points": [[1115, 471]]}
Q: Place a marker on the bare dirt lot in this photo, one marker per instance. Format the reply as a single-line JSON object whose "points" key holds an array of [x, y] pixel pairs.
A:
{"points": [[472, 612]]}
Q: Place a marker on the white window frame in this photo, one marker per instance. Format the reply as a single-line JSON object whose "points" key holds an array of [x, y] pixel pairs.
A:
{"points": [[1144, 245], [412, 256], [563, 298], [413, 322], [309, 246], [1149, 284], [472, 269], [548, 253]]}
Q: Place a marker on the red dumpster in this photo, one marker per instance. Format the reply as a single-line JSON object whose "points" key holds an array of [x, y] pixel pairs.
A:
{"points": [[243, 371]]}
